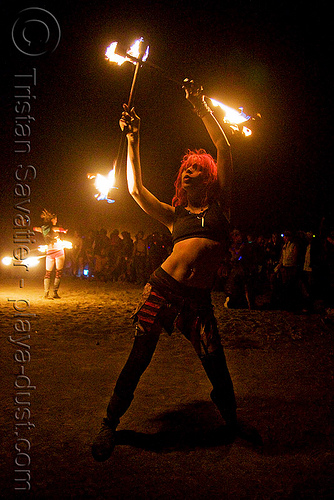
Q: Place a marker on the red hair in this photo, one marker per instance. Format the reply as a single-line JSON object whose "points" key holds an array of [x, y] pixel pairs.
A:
{"points": [[209, 169]]}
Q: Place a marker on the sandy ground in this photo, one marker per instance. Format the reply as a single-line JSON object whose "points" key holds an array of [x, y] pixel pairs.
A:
{"points": [[171, 444]]}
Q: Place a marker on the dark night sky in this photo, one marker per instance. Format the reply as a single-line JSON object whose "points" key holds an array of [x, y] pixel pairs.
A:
{"points": [[272, 59]]}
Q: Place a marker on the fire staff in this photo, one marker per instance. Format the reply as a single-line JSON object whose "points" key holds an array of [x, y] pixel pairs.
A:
{"points": [[178, 292], [55, 254]]}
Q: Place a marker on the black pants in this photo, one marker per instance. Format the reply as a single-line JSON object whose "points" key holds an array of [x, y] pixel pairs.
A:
{"points": [[191, 311]]}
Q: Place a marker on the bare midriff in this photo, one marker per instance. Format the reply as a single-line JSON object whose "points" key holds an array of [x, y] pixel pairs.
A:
{"points": [[194, 262]]}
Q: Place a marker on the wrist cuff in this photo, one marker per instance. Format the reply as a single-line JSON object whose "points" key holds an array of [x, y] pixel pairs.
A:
{"points": [[203, 109]]}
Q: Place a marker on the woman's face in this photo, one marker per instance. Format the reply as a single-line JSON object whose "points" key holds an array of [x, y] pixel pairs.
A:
{"points": [[192, 176]]}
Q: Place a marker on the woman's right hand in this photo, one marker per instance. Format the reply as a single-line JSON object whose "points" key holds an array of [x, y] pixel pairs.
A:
{"points": [[194, 93], [129, 122]]}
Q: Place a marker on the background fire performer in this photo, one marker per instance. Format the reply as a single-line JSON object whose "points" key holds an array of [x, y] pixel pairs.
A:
{"points": [[178, 292], [55, 254]]}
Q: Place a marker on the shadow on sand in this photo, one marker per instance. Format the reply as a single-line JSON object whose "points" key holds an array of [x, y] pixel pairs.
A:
{"points": [[190, 426]]}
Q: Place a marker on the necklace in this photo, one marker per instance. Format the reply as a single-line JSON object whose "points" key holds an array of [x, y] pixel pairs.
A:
{"points": [[200, 215]]}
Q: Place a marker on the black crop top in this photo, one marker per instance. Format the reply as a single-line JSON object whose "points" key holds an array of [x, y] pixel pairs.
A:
{"points": [[211, 224]]}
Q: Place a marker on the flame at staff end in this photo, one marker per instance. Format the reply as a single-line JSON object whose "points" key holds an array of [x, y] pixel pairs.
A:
{"points": [[28, 262], [7, 261], [104, 184], [231, 115], [234, 118], [133, 53], [112, 56]]}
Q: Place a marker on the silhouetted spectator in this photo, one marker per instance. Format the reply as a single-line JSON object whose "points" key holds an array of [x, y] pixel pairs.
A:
{"points": [[101, 254], [157, 251], [115, 255], [287, 268], [125, 263], [236, 286], [140, 259]]}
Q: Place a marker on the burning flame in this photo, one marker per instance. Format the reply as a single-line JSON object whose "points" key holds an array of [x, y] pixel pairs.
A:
{"points": [[246, 131], [33, 261], [233, 117], [112, 56], [133, 52], [30, 261], [66, 244], [104, 183], [59, 244]]}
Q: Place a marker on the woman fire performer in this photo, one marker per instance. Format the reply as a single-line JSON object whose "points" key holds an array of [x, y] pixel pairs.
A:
{"points": [[178, 292], [55, 254]]}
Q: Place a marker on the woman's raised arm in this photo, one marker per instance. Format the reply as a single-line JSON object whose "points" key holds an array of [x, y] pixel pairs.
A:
{"points": [[195, 96], [130, 125]]}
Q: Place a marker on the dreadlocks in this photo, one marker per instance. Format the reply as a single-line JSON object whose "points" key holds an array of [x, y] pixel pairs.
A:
{"points": [[47, 216]]}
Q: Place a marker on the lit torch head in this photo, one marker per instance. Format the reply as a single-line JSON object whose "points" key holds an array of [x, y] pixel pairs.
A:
{"points": [[28, 262], [104, 184], [112, 56], [135, 50], [31, 261], [66, 244], [134, 53], [233, 117], [42, 248]]}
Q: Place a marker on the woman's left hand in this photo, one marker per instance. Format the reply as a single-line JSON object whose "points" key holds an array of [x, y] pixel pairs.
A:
{"points": [[129, 122], [194, 93]]}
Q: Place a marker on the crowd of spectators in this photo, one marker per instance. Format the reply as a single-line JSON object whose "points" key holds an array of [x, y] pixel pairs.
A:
{"points": [[117, 256], [294, 272]]}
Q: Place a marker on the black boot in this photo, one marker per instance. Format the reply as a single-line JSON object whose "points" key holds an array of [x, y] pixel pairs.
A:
{"points": [[56, 288], [138, 360], [46, 287], [104, 443]]}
